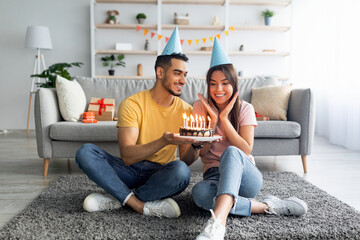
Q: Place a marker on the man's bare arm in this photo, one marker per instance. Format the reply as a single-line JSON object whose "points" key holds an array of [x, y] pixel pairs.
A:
{"points": [[132, 153]]}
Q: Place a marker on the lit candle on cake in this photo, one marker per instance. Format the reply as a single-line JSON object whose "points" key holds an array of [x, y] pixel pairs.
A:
{"points": [[187, 121], [197, 121], [203, 123], [192, 121], [184, 119], [209, 122]]}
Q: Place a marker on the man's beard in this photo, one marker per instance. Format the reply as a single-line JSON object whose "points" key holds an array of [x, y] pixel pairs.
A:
{"points": [[164, 81]]}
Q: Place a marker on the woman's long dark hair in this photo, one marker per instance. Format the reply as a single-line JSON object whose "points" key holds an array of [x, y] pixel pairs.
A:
{"points": [[230, 73]]}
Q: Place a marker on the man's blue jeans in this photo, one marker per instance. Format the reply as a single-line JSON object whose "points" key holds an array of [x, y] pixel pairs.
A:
{"points": [[147, 180], [236, 176]]}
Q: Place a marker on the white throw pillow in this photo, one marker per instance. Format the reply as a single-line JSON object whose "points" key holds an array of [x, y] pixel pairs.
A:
{"points": [[72, 99]]}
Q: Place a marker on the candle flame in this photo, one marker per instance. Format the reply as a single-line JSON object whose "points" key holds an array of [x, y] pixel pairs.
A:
{"points": [[209, 119], [184, 116], [192, 117]]}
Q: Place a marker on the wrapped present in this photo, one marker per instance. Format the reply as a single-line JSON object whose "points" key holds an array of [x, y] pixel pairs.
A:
{"points": [[89, 117], [103, 108], [261, 118]]}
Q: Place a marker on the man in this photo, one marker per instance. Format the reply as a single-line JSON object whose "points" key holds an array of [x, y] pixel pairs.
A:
{"points": [[147, 174]]}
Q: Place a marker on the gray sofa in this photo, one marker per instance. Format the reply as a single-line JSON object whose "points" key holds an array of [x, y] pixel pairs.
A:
{"points": [[57, 138]]}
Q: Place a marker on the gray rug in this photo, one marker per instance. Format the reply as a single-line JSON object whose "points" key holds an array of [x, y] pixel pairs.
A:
{"points": [[57, 214]]}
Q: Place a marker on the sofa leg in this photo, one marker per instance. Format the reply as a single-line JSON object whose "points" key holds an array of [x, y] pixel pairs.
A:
{"points": [[303, 158], [46, 166]]}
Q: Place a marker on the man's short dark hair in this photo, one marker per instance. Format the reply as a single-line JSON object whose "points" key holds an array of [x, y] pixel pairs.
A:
{"points": [[164, 61]]}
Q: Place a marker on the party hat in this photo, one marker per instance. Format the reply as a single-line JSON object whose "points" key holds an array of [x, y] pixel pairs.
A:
{"points": [[173, 45], [218, 56]]}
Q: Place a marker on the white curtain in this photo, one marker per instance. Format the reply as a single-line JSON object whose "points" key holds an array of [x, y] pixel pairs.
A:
{"points": [[325, 55]]}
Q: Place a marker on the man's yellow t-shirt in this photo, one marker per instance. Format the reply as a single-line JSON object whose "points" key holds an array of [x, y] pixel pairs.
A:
{"points": [[142, 112]]}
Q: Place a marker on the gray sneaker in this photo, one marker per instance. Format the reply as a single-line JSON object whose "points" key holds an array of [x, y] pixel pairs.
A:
{"points": [[162, 208], [96, 202], [292, 206]]}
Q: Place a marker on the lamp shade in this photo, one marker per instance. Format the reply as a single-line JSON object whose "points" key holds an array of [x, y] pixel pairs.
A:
{"points": [[38, 37]]}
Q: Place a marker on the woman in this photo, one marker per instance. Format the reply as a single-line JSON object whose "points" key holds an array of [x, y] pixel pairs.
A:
{"points": [[230, 177]]}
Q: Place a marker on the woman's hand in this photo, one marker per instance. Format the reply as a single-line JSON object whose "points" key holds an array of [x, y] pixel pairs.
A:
{"points": [[225, 112], [211, 109]]}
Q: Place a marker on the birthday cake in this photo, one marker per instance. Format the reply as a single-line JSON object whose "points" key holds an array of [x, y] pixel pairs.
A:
{"points": [[195, 126]]}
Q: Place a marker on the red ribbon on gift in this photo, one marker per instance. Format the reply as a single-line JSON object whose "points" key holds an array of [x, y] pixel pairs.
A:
{"points": [[102, 105], [257, 115]]}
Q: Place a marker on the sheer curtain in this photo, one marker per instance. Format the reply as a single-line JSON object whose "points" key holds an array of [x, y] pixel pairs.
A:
{"points": [[325, 55]]}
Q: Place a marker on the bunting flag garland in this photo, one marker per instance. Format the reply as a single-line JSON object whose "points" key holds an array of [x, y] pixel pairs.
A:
{"points": [[189, 41]]}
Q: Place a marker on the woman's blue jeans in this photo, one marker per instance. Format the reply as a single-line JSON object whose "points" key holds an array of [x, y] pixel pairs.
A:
{"points": [[236, 176], [147, 180]]}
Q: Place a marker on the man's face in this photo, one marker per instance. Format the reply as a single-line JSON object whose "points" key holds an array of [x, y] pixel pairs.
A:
{"points": [[175, 77]]}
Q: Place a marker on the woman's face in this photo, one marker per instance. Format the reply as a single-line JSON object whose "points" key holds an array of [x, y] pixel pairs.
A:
{"points": [[221, 89]]}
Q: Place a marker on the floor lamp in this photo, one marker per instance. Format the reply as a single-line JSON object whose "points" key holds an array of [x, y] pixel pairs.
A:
{"points": [[37, 37]]}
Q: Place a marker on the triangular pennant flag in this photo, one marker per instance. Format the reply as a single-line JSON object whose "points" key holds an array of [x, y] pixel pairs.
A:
{"points": [[167, 39], [204, 40], [159, 37], [182, 41], [218, 36], [227, 33], [232, 28], [138, 28], [145, 31], [189, 41], [152, 34], [211, 39], [173, 45], [218, 56], [196, 41]]}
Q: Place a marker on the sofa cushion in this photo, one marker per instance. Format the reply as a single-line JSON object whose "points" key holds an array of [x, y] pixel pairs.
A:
{"points": [[72, 100], [78, 131], [119, 89], [277, 129], [107, 131], [271, 101]]}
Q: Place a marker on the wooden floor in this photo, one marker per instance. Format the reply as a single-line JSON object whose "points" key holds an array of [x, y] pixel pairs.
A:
{"points": [[331, 168]]}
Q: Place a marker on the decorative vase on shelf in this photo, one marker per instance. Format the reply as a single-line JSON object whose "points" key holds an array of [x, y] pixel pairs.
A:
{"points": [[267, 21], [111, 72]]}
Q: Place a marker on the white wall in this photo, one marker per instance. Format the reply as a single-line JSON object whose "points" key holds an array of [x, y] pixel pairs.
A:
{"points": [[68, 21]]}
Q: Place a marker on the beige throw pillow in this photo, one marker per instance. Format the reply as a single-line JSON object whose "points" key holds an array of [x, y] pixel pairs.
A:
{"points": [[72, 99], [271, 101]]}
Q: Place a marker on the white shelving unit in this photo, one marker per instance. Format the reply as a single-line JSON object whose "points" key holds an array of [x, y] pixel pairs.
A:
{"points": [[160, 26]]}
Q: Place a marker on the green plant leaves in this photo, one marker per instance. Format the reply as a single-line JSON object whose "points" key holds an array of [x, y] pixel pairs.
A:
{"points": [[60, 69]]}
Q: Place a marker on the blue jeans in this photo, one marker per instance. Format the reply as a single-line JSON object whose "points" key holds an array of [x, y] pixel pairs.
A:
{"points": [[148, 181], [236, 176]]}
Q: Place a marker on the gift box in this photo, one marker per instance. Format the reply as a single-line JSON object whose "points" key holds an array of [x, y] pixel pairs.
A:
{"points": [[103, 108]]}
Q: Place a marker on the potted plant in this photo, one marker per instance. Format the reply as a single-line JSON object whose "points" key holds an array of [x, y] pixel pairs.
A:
{"points": [[60, 69], [141, 18], [112, 62], [267, 14]]}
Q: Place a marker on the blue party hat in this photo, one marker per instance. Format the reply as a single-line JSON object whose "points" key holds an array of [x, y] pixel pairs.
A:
{"points": [[173, 45], [218, 56]]}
